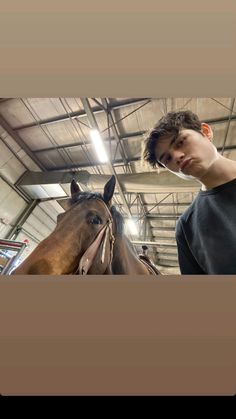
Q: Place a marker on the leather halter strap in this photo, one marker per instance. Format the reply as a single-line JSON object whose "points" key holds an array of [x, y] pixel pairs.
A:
{"points": [[103, 235]]}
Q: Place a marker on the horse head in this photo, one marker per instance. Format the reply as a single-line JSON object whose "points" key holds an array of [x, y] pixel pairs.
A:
{"points": [[82, 241]]}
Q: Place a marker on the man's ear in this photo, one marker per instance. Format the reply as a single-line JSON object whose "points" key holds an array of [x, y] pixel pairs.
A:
{"points": [[207, 131]]}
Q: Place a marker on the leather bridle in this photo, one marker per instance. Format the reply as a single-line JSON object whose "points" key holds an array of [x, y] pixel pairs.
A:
{"points": [[102, 237]]}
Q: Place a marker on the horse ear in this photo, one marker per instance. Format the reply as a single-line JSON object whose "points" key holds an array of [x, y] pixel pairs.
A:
{"points": [[109, 190], [74, 187]]}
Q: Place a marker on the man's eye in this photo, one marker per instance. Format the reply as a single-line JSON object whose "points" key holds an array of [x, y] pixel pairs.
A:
{"points": [[180, 142], [95, 220], [166, 160]]}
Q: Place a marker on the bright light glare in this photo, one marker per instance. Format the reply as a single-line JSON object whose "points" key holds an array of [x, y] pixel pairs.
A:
{"points": [[99, 146], [132, 226]]}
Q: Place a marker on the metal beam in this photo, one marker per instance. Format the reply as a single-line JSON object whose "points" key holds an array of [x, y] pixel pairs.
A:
{"points": [[161, 238], [168, 263], [159, 217], [164, 214], [156, 183], [80, 143], [219, 120], [164, 255], [164, 229], [163, 182], [116, 104], [152, 243], [113, 128], [168, 254], [20, 142], [47, 178], [163, 217], [15, 230], [95, 163], [93, 124], [156, 238], [117, 162], [98, 109], [167, 204]]}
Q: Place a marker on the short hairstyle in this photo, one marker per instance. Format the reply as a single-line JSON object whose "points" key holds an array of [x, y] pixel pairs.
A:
{"points": [[169, 124]]}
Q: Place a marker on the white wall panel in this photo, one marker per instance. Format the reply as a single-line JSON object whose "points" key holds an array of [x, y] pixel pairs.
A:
{"points": [[11, 206]]}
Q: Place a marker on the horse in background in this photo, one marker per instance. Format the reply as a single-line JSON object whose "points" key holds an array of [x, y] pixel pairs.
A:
{"points": [[146, 260], [125, 260]]}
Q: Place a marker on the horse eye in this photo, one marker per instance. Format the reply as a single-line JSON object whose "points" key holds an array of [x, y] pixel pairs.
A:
{"points": [[95, 220]]}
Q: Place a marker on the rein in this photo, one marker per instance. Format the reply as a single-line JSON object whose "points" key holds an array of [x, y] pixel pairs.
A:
{"points": [[103, 236]]}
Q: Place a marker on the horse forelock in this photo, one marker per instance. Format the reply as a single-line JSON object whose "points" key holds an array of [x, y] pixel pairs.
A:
{"points": [[82, 196]]}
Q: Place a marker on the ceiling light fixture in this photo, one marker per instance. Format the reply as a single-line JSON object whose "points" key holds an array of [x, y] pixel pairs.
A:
{"points": [[98, 145]]}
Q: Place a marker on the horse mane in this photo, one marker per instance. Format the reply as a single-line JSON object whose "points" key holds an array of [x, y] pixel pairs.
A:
{"points": [[118, 220], [119, 225]]}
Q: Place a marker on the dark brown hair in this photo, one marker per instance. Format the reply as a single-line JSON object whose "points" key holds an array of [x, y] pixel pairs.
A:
{"points": [[169, 124]]}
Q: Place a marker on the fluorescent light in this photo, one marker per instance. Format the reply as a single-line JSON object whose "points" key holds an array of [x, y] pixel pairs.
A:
{"points": [[99, 146], [132, 226]]}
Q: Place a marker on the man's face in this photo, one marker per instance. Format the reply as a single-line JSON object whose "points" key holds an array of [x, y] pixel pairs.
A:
{"points": [[190, 152]]}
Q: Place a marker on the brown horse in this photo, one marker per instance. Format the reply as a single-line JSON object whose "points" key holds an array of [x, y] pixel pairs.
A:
{"points": [[82, 242], [125, 261]]}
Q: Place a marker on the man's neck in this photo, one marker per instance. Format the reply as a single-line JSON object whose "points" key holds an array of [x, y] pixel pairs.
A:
{"points": [[221, 171]]}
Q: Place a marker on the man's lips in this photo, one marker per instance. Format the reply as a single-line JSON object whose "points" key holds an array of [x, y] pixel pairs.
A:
{"points": [[185, 163]]}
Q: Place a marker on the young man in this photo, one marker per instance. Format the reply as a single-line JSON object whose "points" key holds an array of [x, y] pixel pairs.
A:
{"points": [[206, 232]]}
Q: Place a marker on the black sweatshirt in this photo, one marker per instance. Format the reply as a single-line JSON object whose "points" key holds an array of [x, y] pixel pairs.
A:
{"points": [[206, 232]]}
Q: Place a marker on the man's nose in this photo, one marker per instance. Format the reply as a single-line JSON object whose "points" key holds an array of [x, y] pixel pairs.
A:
{"points": [[178, 156]]}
